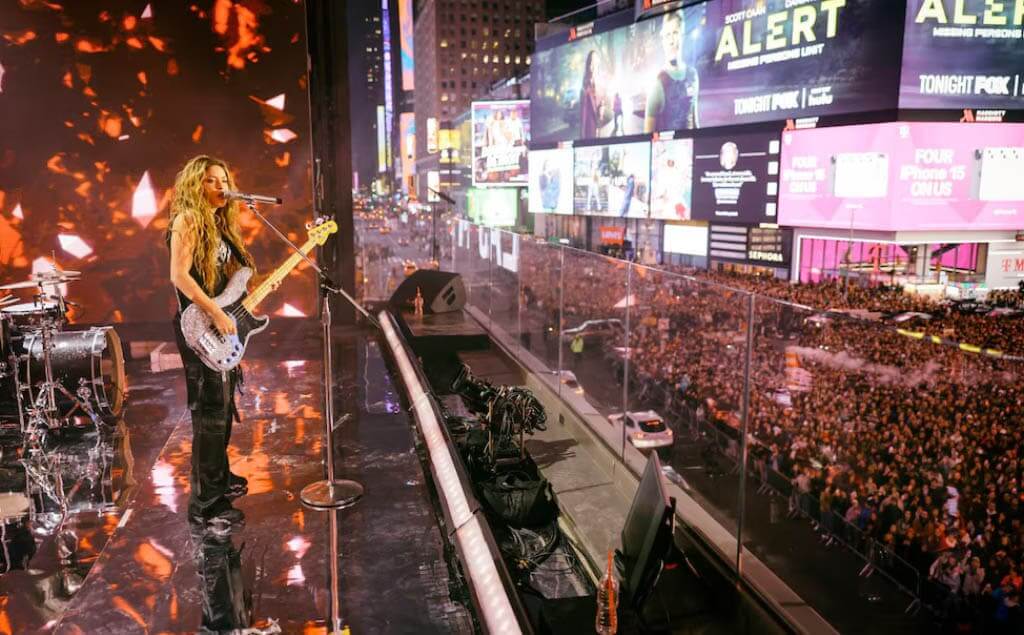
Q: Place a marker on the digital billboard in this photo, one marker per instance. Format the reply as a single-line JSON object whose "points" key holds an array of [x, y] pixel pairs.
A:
{"points": [[407, 145], [493, 207], [405, 30], [904, 176], [736, 178], [671, 179], [758, 246], [612, 180], [551, 181], [691, 240], [723, 62], [968, 54], [501, 132]]}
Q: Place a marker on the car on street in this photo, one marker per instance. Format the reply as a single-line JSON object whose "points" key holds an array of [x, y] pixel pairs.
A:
{"points": [[645, 429]]}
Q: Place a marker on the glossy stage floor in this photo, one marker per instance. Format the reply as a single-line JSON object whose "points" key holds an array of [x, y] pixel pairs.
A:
{"points": [[122, 558]]}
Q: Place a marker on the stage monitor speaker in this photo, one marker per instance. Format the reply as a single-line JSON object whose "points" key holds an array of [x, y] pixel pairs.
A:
{"points": [[442, 291]]}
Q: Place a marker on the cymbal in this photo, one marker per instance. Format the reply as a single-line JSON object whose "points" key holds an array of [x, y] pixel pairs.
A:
{"points": [[20, 285], [54, 276]]}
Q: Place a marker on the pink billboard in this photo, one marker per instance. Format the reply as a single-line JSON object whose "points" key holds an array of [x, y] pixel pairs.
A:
{"points": [[904, 176]]}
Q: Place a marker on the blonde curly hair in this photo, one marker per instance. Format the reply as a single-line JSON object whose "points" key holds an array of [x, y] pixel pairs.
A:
{"points": [[204, 225]]}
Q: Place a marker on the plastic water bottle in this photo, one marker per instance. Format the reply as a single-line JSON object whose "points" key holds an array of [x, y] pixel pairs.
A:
{"points": [[607, 622]]}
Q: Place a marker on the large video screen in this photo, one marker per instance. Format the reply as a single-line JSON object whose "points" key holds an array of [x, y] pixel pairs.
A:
{"points": [[736, 178], [968, 54], [103, 103], [691, 240], [492, 207], [758, 246], [501, 132], [551, 181], [612, 180], [719, 63], [671, 179], [904, 176]]}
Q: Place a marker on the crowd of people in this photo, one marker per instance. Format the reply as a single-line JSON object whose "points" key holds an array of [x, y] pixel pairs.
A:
{"points": [[914, 444]]}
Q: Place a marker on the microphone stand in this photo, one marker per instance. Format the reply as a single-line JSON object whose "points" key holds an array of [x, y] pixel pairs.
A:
{"points": [[330, 493]]}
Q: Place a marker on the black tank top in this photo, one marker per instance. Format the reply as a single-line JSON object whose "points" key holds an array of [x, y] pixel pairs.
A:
{"points": [[678, 111]]}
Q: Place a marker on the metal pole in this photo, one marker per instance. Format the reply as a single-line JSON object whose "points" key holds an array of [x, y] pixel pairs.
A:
{"points": [[561, 314], [625, 365], [744, 425], [330, 493]]}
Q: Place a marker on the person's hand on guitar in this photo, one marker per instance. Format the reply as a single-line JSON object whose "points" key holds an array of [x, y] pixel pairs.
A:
{"points": [[223, 322]]}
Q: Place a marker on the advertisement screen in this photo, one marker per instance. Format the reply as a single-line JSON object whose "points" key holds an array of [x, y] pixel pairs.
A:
{"points": [[551, 181], [904, 176], [1005, 265], [736, 178], [492, 207], [407, 143], [501, 132], [612, 180], [759, 246], [405, 30], [691, 240], [968, 54], [671, 179], [724, 62]]}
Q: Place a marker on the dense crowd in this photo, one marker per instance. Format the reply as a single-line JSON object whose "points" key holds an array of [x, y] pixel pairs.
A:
{"points": [[916, 445]]}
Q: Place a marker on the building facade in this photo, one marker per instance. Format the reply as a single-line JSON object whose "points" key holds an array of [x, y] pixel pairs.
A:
{"points": [[463, 48]]}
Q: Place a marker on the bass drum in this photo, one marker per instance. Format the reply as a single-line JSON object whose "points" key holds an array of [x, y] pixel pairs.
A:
{"points": [[91, 359]]}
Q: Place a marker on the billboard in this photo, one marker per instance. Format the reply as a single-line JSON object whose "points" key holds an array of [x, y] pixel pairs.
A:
{"points": [[1004, 268], [382, 146], [758, 246], [407, 145], [501, 132], [968, 55], [551, 181], [736, 178], [904, 176], [691, 240], [671, 179], [494, 207], [723, 62], [612, 180], [406, 31]]}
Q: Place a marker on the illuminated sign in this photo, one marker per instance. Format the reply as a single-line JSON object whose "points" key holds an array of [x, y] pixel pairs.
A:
{"points": [[382, 148], [501, 132], [405, 28]]}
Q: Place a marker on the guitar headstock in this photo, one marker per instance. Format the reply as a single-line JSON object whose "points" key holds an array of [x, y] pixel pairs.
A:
{"points": [[320, 229]]}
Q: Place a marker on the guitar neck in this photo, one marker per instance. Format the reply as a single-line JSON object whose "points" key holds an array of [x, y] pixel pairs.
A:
{"points": [[263, 290]]}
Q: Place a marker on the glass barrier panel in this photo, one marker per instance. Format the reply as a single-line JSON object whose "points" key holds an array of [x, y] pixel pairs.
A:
{"points": [[593, 338], [540, 276], [506, 293], [875, 452]]}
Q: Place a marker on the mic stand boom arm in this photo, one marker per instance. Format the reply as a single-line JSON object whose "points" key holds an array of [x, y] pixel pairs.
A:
{"points": [[325, 282]]}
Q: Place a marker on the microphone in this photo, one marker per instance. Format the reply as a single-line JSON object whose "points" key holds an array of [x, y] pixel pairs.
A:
{"points": [[252, 198]]}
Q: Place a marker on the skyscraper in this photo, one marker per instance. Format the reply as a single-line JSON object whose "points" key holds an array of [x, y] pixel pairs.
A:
{"points": [[462, 47]]}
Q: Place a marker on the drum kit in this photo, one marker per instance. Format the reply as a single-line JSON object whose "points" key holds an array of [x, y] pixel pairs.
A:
{"points": [[51, 377]]}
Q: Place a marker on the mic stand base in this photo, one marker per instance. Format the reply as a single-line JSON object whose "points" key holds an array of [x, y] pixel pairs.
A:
{"points": [[332, 494]]}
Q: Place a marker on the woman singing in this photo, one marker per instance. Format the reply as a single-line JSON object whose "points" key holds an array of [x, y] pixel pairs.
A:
{"points": [[206, 248]]}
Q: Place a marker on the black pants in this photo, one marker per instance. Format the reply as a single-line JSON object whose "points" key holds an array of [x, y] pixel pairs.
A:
{"points": [[211, 403]]}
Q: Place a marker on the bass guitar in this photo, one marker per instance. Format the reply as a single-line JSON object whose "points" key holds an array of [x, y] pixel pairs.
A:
{"points": [[220, 352]]}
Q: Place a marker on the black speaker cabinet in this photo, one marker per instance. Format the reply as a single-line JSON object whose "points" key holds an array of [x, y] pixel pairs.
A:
{"points": [[442, 291]]}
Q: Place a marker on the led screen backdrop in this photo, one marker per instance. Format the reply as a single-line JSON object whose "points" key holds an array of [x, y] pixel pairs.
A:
{"points": [[612, 180], [102, 105], [904, 176], [718, 63], [551, 181], [501, 133], [968, 54], [736, 178]]}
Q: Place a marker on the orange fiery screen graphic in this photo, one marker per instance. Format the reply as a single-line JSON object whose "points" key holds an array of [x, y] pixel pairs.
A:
{"points": [[102, 107]]}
